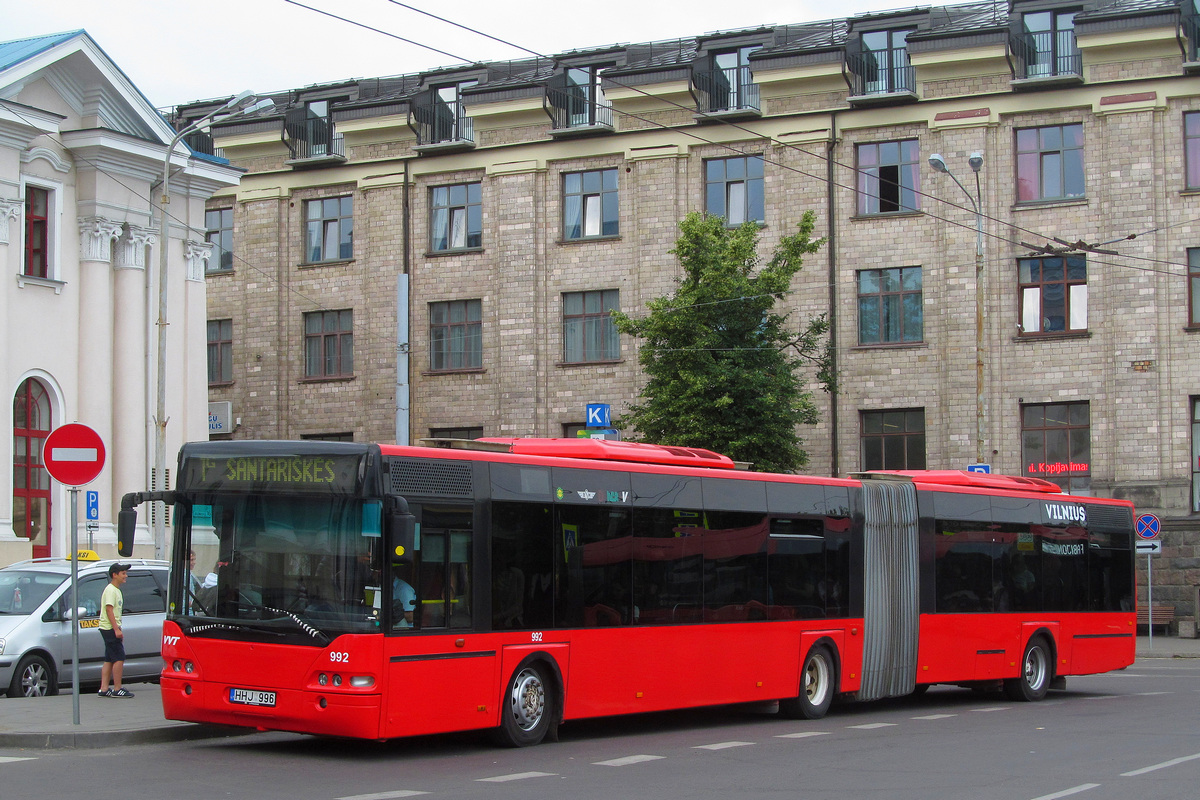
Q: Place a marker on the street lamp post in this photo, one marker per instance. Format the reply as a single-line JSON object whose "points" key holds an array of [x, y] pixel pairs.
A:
{"points": [[160, 421], [975, 160]]}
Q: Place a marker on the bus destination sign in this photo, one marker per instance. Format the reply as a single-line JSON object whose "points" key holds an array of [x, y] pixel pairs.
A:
{"points": [[325, 474]]}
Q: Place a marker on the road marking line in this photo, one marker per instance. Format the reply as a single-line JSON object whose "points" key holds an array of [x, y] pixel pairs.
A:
{"points": [[626, 761], [1163, 765], [1101, 697], [1149, 694], [870, 726], [993, 708], [384, 795], [7, 759], [1083, 787], [937, 716], [722, 745], [516, 776], [802, 735]]}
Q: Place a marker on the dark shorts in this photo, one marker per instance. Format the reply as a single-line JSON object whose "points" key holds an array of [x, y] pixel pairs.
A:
{"points": [[114, 648]]}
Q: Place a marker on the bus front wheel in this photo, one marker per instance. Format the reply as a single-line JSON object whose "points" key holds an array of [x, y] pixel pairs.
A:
{"points": [[817, 681], [1037, 671], [527, 708]]}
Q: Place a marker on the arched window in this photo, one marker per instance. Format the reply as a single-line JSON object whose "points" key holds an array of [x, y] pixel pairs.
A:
{"points": [[31, 482]]}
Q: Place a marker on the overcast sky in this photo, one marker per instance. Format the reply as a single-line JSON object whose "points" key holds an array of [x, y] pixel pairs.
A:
{"points": [[177, 51]]}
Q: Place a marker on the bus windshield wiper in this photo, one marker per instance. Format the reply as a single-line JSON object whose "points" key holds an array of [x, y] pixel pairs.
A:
{"points": [[302, 624]]}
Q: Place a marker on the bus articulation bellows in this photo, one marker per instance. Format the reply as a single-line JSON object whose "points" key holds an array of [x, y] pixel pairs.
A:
{"points": [[380, 591]]}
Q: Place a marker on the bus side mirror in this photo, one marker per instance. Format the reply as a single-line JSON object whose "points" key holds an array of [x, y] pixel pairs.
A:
{"points": [[404, 537], [126, 525]]}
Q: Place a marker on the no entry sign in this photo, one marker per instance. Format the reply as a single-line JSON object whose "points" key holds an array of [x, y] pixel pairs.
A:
{"points": [[74, 454]]}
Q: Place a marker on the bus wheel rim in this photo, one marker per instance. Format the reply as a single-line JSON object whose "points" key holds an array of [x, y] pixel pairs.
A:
{"points": [[1035, 668], [528, 699], [816, 680]]}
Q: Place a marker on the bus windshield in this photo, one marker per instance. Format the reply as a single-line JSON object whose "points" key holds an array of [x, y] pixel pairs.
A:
{"points": [[304, 566]]}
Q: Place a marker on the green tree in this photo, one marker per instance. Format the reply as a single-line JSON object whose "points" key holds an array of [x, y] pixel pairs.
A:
{"points": [[723, 369]]}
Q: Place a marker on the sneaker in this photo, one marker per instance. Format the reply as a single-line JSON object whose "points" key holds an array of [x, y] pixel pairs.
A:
{"points": [[121, 693], [104, 693]]}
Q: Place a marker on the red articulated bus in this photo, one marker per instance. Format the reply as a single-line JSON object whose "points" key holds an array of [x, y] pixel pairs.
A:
{"points": [[381, 591]]}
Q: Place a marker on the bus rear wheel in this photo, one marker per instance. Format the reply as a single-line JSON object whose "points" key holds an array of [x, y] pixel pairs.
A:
{"points": [[817, 681], [527, 708], [1037, 671]]}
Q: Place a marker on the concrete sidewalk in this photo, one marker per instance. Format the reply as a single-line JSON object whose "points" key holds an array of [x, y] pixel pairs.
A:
{"points": [[47, 722]]}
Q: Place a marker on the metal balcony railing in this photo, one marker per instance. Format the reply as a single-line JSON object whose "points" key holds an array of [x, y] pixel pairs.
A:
{"points": [[1191, 29], [1047, 54], [871, 73], [439, 122], [574, 107], [721, 90], [314, 138]]}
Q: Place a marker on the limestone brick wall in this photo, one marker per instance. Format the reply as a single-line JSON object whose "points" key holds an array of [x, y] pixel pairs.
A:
{"points": [[802, 103], [1129, 70], [965, 87]]}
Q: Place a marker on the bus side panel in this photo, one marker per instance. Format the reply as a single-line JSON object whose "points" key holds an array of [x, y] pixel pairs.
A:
{"points": [[1098, 643], [968, 647], [634, 669], [437, 684]]}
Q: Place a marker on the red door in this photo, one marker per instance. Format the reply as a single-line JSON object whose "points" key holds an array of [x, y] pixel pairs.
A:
{"points": [[31, 482]]}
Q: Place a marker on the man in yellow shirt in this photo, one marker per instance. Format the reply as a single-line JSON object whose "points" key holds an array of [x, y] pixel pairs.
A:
{"points": [[112, 602]]}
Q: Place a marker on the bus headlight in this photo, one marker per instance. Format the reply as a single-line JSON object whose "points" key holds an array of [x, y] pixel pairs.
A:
{"points": [[362, 681]]}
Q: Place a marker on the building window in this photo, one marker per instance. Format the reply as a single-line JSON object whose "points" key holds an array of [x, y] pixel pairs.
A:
{"points": [[1049, 163], [885, 67], [37, 232], [456, 433], [733, 189], [1195, 454], [889, 305], [456, 335], [330, 229], [888, 177], [31, 482], [893, 439], [1056, 444], [588, 330], [220, 351], [1053, 294], [329, 344], [590, 204], [219, 225], [1191, 146], [457, 220], [731, 86], [1194, 287]]}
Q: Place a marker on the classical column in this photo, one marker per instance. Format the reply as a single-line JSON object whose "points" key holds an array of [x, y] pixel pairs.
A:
{"points": [[194, 422], [94, 401], [131, 363]]}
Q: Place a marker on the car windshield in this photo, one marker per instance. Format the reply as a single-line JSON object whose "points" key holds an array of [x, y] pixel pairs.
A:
{"points": [[22, 591], [304, 567]]}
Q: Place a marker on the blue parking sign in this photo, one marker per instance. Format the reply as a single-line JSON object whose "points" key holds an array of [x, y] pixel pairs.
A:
{"points": [[93, 506]]}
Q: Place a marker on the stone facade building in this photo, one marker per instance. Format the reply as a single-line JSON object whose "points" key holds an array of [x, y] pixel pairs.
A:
{"points": [[435, 254]]}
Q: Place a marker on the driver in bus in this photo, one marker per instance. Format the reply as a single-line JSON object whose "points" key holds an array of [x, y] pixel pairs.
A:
{"points": [[404, 600]]}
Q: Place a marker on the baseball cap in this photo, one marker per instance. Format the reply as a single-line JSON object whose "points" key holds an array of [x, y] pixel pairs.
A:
{"points": [[118, 567]]}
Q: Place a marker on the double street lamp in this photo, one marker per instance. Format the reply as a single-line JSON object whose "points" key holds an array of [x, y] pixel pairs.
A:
{"points": [[238, 105], [975, 160]]}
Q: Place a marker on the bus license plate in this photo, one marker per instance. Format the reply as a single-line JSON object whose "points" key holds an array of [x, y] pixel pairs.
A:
{"points": [[251, 697]]}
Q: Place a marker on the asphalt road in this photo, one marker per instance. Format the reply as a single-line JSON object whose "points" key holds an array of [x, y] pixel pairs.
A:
{"points": [[1133, 734]]}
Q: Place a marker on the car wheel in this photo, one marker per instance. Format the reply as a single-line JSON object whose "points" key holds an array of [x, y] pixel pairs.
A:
{"points": [[34, 678]]}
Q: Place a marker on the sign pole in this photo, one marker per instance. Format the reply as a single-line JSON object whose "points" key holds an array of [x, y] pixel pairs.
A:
{"points": [[74, 490], [1150, 600]]}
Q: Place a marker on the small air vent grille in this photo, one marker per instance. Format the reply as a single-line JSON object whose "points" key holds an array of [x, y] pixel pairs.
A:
{"points": [[430, 478], [1109, 519]]}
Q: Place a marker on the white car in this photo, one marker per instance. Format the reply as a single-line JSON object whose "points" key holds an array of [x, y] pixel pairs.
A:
{"points": [[36, 619]]}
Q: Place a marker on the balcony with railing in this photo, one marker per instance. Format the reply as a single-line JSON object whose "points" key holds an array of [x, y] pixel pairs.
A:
{"points": [[1190, 22], [576, 109], [883, 76], [725, 93], [440, 126], [1047, 57], [201, 143], [312, 141]]}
